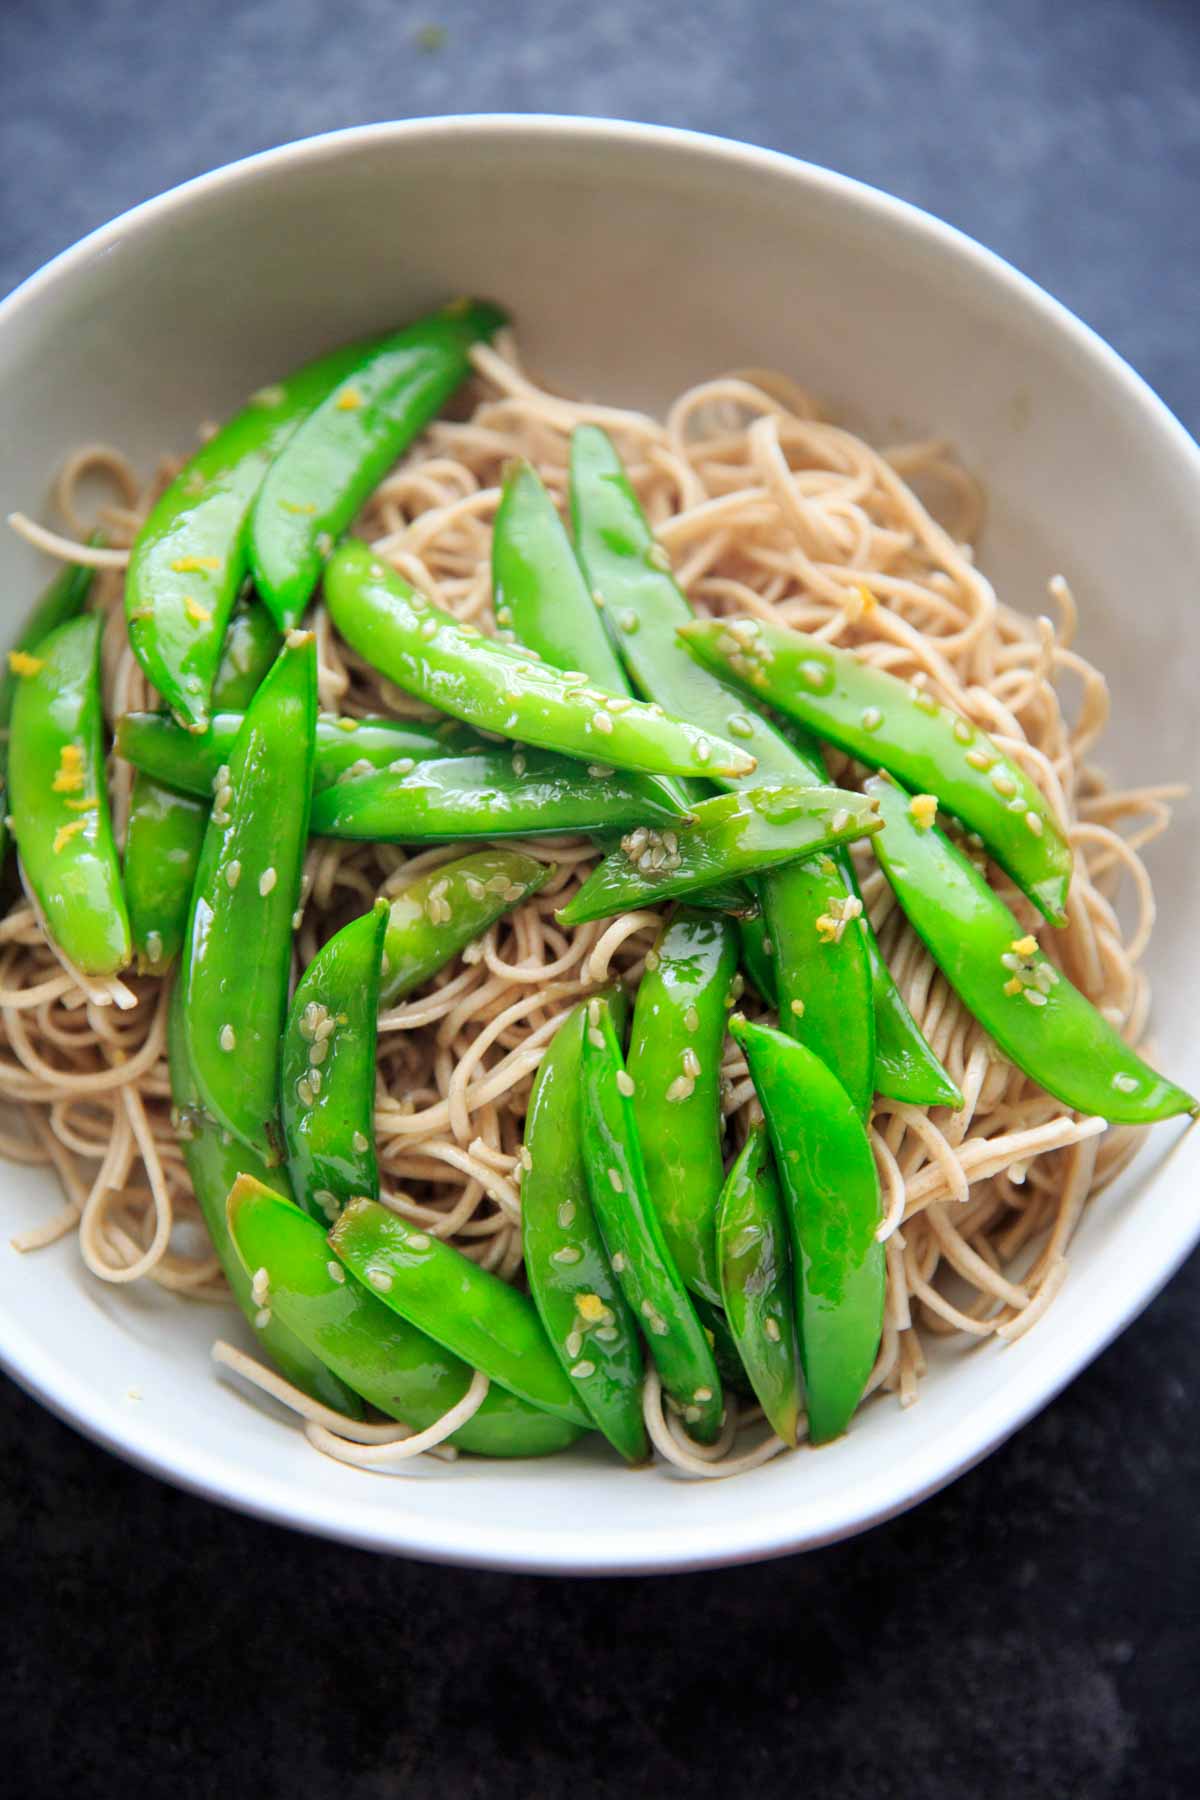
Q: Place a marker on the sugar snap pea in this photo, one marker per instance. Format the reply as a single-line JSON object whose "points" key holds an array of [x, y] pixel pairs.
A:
{"points": [[629, 1222], [190, 558], [58, 797], [165, 829], [64, 599], [585, 1314], [380, 1355], [731, 834], [756, 1282], [317, 484], [327, 1070], [430, 654], [438, 915], [1040, 1021], [468, 1310], [495, 793], [831, 1193], [888, 723], [214, 1163], [674, 1061], [644, 607], [239, 941], [345, 747]]}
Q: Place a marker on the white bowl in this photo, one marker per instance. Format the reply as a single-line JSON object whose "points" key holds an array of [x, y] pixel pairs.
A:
{"points": [[635, 260]]}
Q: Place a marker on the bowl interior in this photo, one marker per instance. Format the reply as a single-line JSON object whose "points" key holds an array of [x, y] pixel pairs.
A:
{"points": [[634, 261]]}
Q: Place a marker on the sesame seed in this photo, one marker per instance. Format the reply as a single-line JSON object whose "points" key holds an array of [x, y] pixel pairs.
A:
{"points": [[262, 1318], [691, 1063], [566, 1213], [658, 559], [582, 1370], [419, 1240], [615, 1182], [691, 1413], [625, 1084], [979, 759], [403, 765], [429, 629], [327, 1202], [1033, 823], [379, 1278], [566, 1253], [233, 873], [798, 1008], [314, 1079], [703, 750], [628, 621], [1125, 1084], [599, 771], [771, 1327], [691, 1019], [602, 723], [618, 1263], [704, 1393], [304, 1091], [335, 1272], [260, 1287], [595, 1038], [228, 1038], [573, 1342], [1034, 998], [593, 1012], [652, 961], [475, 887], [606, 1334], [812, 673], [872, 718], [297, 918], [840, 819], [738, 725], [682, 1088], [266, 882], [598, 599], [963, 731], [768, 948], [1003, 784]]}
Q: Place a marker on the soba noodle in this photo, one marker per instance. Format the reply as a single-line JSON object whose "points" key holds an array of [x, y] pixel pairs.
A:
{"points": [[766, 509]]}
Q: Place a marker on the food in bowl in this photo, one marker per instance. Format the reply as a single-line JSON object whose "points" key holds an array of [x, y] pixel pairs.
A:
{"points": [[639, 978]]}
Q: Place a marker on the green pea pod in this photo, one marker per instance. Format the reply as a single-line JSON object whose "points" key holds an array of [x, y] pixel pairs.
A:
{"points": [[215, 1163], [888, 723], [538, 593], [350, 441], [1040, 1021], [58, 797], [327, 1070], [345, 748], [675, 1063], [576, 1293], [823, 976], [633, 1234], [831, 1193], [190, 558], [496, 793], [468, 1310], [439, 914], [756, 1283], [905, 1066], [732, 834], [381, 1356], [430, 654], [64, 599], [166, 829], [238, 949], [645, 608]]}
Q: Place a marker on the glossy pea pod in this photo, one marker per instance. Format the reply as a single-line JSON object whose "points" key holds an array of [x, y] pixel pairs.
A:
{"points": [[64, 599], [434, 657], [468, 1310], [166, 828], [365, 1344], [214, 1163], [349, 442], [190, 558], [435, 917], [644, 608], [327, 1070], [638, 1250], [540, 596], [831, 1195], [494, 793], [578, 1297], [891, 724], [237, 954], [730, 835], [1039, 1019], [756, 1283], [674, 1061], [345, 748], [58, 797]]}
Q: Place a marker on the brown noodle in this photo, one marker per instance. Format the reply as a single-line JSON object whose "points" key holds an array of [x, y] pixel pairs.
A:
{"points": [[765, 509]]}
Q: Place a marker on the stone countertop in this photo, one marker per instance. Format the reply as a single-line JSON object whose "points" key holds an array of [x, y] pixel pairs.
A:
{"points": [[1030, 1631]]}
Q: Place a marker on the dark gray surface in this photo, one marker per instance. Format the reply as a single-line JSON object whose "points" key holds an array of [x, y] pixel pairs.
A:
{"points": [[1031, 1632]]}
